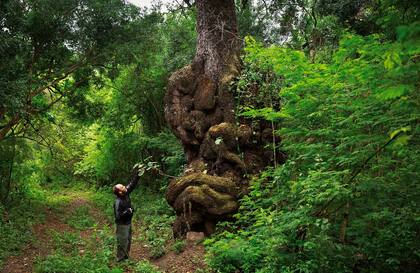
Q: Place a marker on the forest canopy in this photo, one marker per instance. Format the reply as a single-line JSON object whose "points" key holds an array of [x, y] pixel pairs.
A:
{"points": [[298, 151]]}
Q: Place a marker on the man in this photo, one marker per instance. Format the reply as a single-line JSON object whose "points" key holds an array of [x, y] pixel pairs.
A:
{"points": [[123, 212]]}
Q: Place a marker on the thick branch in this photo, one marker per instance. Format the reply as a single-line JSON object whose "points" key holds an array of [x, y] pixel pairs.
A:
{"points": [[54, 82], [6, 129]]}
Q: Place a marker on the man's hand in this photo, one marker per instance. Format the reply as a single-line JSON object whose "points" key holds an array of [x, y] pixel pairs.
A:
{"points": [[130, 210]]}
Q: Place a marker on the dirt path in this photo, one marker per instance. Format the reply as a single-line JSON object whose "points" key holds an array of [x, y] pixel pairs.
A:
{"points": [[42, 245]]}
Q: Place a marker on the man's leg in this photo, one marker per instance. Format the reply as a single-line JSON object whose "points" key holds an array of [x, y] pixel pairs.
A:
{"points": [[129, 240], [122, 241]]}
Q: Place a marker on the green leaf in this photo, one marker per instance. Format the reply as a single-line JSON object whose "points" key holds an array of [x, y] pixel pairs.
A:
{"points": [[392, 59], [218, 141], [50, 117], [394, 92], [402, 140], [405, 129]]}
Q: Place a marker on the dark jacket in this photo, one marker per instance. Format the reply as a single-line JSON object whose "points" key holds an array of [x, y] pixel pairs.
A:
{"points": [[123, 203]]}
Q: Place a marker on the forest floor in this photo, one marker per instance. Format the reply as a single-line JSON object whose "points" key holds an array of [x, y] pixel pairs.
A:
{"points": [[77, 236]]}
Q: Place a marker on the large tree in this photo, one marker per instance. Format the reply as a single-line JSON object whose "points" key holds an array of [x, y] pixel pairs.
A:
{"points": [[199, 107]]}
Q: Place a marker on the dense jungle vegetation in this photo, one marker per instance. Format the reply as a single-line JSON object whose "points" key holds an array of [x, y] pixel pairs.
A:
{"points": [[82, 100]]}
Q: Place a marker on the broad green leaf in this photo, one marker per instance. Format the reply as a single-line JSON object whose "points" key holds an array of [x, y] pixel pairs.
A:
{"points": [[393, 92]]}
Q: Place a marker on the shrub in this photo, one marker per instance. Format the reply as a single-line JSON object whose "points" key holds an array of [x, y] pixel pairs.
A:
{"points": [[145, 267], [178, 246], [347, 199]]}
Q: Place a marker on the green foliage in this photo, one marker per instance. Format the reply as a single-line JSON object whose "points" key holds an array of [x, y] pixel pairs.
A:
{"points": [[145, 267], [8, 151], [347, 198], [166, 148], [59, 262], [96, 123], [21, 208], [234, 253], [156, 218], [69, 242], [179, 36], [104, 198], [80, 218], [15, 225], [51, 48], [111, 155], [178, 246], [347, 111]]}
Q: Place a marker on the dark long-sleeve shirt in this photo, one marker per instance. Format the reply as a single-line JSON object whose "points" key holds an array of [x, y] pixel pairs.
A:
{"points": [[122, 204]]}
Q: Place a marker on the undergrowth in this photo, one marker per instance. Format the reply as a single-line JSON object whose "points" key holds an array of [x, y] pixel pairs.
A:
{"points": [[96, 252], [80, 218], [347, 198], [25, 210]]}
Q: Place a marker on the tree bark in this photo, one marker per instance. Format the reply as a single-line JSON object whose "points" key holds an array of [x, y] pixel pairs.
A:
{"points": [[199, 107]]}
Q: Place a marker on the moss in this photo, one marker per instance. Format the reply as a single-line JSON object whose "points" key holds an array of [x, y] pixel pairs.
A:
{"points": [[219, 184], [226, 131], [214, 202]]}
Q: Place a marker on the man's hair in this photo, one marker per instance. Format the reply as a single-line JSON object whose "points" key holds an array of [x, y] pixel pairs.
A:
{"points": [[115, 189]]}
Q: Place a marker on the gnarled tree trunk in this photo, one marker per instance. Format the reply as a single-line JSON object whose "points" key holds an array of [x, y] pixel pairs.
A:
{"points": [[199, 107]]}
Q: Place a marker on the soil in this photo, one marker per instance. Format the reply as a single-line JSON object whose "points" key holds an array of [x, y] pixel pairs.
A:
{"points": [[187, 261]]}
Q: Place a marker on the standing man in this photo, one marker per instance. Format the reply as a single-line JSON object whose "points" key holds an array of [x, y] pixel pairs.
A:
{"points": [[123, 212]]}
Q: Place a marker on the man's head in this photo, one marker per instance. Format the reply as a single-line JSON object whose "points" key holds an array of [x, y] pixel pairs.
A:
{"points": [[119, 190]]}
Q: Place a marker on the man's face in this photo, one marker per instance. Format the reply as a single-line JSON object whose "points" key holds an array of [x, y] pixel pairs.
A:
{"points": [[121, 189]]}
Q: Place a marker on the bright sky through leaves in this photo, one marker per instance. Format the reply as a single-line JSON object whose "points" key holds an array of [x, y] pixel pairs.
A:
{"points": [[146, 3]]}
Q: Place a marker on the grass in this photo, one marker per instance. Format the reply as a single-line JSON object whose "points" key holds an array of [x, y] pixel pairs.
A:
{"points": [[69, 242], [94, 252], [153, 218], [87, 263], [15, 223], [80, 218], [72, 253]]}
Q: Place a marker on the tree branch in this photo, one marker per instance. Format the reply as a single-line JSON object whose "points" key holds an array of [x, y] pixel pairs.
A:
{"points": [[6, 129], [16, 119], [72, 68], [42, 137]]}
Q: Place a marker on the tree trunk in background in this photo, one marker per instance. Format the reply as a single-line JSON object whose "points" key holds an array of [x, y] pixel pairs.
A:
{"points": [[7, 160], [199, 107]]}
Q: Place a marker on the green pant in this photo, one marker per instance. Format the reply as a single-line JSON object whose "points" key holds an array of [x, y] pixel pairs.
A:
{"points": [[123, 241]]}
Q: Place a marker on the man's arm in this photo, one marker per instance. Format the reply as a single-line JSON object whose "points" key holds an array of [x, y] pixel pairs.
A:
{"points": [[134, 180]]}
